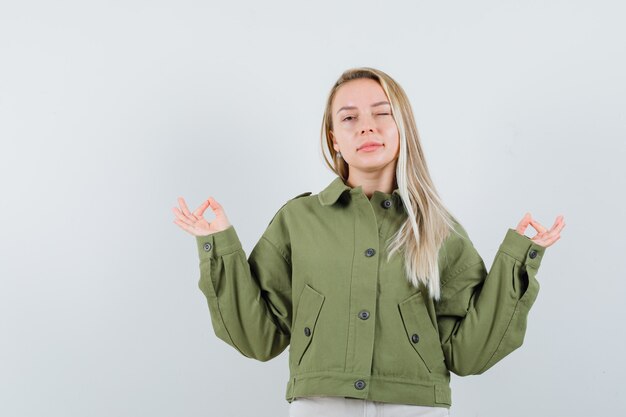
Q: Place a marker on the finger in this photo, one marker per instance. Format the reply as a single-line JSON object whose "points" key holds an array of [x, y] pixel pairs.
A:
{"points": [[538, 226], [185, 209], [181, 216], [556, 229], [216, 207], [200, 210], [542, 241], [553, 235], [185, 226], [550, 241], [558, 221], [559, 225], [523, 224]]}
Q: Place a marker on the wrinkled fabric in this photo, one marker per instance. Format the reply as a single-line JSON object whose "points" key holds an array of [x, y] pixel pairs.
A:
{"points": [[318, 281]]}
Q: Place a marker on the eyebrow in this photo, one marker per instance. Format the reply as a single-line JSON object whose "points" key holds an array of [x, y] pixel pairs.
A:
{"points": [[353, 107]]}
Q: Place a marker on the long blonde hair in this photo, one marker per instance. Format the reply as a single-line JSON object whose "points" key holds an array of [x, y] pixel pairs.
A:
{"points": [[428, 222]]}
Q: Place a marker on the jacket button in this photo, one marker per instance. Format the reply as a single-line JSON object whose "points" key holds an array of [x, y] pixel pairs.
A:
{"points": [[370, 252], [364, 314], [207, 247], [533, 254], [386, 203], [307, 331], [360, 384], [415, 338]]}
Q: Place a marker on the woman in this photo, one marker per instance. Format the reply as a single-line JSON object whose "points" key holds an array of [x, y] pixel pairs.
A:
{"points": [[374, 286]]}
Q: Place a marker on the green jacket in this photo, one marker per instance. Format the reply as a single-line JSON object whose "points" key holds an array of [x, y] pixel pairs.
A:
{"points": [[318, 282]]}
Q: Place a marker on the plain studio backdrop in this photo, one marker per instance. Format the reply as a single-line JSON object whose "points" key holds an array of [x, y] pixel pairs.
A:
{"points": [[109, 111]]}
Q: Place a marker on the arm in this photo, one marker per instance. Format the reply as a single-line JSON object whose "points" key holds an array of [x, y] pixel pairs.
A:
{"points": [[482, 315], [249, 299]]}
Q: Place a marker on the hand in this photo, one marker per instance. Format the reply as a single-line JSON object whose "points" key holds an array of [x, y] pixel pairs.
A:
{"points": [[195, 224], [544, 237]]}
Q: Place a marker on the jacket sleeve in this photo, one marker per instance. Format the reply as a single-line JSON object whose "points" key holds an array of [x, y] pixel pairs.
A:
{"points": [[249, 299], [482, 314]]}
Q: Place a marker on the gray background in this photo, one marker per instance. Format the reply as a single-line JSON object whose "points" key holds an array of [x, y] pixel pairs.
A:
{"points": [[111, 110]]}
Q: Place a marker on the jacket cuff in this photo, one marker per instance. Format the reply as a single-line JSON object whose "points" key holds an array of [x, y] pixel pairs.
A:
{"points": [[522, 248], [218, 244]]}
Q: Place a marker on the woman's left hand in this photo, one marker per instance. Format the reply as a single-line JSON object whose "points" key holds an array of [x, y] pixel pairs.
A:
{"points": [[544, 237]]}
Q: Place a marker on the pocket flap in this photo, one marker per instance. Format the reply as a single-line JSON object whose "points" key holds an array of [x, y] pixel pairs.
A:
{"points": [[305, 320], [420, 331]]}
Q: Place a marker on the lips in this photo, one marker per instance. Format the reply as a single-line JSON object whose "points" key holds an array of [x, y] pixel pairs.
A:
{"points": [[369, 144]]}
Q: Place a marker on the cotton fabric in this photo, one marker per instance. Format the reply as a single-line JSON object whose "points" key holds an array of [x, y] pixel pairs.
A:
{"points": [[320, 283]]}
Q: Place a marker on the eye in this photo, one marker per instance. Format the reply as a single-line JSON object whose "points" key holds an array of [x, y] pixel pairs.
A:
{"points": [[347, 118], [382, 114]]}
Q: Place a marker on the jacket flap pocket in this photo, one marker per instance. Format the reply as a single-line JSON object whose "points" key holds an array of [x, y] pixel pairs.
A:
{"points": [[309, 307], [420, 331]]}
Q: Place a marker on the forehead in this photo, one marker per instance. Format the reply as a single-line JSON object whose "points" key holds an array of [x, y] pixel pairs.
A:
{"points": [[361, 93]]}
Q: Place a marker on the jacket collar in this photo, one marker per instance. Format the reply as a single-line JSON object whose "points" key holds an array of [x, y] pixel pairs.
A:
{"points": [[337, 187]]}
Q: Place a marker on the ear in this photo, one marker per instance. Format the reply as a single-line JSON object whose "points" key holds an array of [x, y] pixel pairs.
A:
{"points": [[335, 145]]}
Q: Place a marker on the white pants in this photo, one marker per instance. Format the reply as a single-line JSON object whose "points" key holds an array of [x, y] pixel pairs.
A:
{"points": [[355, 407]]}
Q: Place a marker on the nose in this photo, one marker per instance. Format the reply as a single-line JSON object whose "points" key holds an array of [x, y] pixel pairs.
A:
{"points": [[367, 125]]}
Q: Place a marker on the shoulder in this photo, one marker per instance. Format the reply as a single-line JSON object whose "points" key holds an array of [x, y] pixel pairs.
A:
{"points": [[279, 226], [292, 201], [304, 194], [457, 252], [288, 206]]}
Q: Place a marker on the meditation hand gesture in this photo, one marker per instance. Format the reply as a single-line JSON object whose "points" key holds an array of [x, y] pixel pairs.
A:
{"points": [[197, 225], [544, 237]]}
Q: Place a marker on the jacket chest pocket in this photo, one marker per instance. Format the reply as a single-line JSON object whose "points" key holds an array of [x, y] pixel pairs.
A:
{"points": [[420, 332], [305, 320]]}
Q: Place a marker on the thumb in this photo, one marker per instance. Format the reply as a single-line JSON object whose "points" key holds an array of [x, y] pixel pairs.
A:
{"points": [[216, 207]]}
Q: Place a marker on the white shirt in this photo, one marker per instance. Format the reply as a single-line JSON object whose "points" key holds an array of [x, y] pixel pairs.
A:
{"points": [[355, 407]]}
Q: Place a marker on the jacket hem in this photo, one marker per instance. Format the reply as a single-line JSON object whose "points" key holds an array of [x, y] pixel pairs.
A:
{"points": [[380, 389]]}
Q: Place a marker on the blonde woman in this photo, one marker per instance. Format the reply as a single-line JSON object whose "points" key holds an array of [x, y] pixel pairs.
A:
{"points": [[372, 283]]}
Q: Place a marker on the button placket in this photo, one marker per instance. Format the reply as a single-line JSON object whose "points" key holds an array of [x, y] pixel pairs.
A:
{"points": [[364, 283], [380, 204]]}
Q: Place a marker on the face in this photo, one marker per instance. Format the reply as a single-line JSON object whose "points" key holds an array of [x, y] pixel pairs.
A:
{"points": [[361, 113]]}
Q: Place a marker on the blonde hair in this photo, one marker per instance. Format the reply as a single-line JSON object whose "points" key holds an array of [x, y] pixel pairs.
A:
{"points": [[428, 222]]}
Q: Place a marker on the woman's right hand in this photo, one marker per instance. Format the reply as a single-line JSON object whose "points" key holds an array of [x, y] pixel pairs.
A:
{"points": [[197, 225]]}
